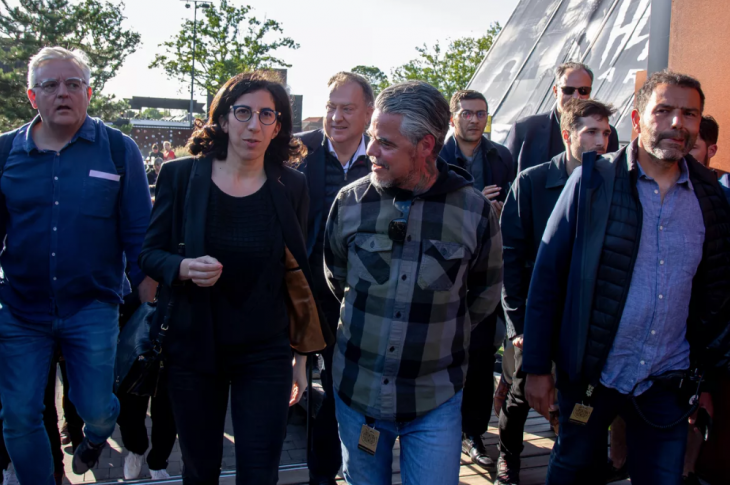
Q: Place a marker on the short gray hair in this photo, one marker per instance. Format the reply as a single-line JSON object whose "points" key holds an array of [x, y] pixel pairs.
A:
{"points": [[424, 109], [52, 53], [571, 66]]}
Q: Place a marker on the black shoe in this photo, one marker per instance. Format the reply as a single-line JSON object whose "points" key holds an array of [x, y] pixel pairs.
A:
{"points": [[65, 435], [318, 480], [86, 456], [508, 471], [474, 447], [691, 479], [614, 474]]}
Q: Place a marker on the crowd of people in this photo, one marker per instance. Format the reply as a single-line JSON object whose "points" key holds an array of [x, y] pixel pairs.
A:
{"points": [[602, 269]]}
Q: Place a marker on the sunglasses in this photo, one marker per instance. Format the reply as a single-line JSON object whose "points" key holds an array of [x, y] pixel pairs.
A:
{"points": [[398, 228], [569, 90]]}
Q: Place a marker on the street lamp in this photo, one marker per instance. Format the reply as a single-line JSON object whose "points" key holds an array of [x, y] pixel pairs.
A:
{"points": [[204, 5]]}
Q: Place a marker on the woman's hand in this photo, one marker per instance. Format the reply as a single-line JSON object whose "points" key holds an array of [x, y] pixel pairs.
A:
{"points": [[203, 271], [299, 381]]}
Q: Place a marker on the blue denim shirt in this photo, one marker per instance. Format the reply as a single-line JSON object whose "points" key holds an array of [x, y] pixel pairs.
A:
{"points": [[69, 222], [651, 334]]}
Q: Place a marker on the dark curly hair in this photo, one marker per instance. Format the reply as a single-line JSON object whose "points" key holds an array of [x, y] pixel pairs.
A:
{"points": [[209, 138]]}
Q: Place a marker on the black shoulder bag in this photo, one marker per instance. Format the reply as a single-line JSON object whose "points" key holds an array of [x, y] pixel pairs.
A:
{"points": [[143, 376]]}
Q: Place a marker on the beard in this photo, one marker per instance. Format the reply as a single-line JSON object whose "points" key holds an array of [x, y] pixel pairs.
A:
{"points": [[404, 182], [653, 139]]}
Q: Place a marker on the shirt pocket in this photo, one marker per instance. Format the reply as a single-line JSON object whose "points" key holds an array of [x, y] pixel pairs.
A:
{"points": [[692, 251], [440, 264], [372, 254], [100, 197]]}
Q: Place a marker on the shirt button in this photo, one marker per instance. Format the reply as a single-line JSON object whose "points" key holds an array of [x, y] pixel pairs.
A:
{"points": [[661, 297], [661, 228], [397, 315], [403, 277], [53, 254], [54, 228], [56, 202], [55, 178], [642, 362], [408, 238], [392, 349], [656, 191], [653, 332], [54, 278], [386, 381], [661, 262]]}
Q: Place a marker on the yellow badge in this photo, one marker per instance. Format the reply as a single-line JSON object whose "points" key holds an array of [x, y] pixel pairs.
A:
{"points": [[580, 414], [368, 439]]}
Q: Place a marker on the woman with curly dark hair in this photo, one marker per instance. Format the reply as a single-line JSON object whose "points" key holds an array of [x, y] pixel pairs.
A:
{"points": [[235, 205]]}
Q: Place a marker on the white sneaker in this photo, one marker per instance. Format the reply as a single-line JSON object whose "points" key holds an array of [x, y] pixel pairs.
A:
{"points": [[159, 474], [133, 466], [9, 477]]}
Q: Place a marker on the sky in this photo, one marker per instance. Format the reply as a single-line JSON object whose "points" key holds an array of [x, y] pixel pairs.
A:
{"points": [[334, 35]]}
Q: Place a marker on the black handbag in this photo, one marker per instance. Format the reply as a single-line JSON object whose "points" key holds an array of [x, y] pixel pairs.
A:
{"points": [[141, 374]]}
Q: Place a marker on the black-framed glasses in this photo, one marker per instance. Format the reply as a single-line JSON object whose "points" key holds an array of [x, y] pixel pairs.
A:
{"points": [[569, 90], [243, 113], [398, 228], [468, 114], [50, 86]]}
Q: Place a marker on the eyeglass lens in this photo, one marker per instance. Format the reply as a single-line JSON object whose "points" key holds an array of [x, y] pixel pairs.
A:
{"points": [[468, 114], [243, 114], [73, 85]]}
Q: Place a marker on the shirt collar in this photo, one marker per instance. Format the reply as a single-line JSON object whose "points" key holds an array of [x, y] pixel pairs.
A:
{"points": [[557, 175], [87, 132], [361, 151]]}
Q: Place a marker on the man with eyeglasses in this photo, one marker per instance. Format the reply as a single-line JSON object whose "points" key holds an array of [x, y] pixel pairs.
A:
{"points": [[537, 139], [337, 156], [490, 164], [415, 255], [74, 207]]}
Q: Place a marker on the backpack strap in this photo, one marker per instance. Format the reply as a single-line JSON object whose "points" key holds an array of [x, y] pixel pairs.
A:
{"points": [[6, 144], [118, 150]]}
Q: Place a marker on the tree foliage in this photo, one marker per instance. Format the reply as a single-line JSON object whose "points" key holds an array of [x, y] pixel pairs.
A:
{"points": [[448, 68], [93, 26], [378, 79], [229, 41]]}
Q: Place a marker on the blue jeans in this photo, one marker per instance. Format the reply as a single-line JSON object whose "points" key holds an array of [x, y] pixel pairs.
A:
{"points": [[430, 446], [88, 341], [655, 456]]}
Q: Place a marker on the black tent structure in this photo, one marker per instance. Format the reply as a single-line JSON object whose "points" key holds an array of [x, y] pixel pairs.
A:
{"points": [[610, 36]]}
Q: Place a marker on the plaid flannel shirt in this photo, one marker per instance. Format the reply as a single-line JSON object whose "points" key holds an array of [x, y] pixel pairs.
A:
{"points": [[409, 308]]}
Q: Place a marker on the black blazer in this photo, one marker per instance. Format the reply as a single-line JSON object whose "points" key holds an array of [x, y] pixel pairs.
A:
{"points": [[190, 342], [529, 140], [313, 166]]}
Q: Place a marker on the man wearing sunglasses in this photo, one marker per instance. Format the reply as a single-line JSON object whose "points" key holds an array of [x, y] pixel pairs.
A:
{"points": [[336, 158], [74, 206], [537, 139], [415, 255], [490, 164]]}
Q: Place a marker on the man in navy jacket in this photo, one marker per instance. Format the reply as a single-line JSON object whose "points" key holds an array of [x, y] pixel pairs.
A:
{"points": [[336, 158], [536, 139]]}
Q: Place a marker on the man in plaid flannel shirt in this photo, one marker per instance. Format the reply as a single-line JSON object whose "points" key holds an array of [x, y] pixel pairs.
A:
{"points": [[414, 253]]}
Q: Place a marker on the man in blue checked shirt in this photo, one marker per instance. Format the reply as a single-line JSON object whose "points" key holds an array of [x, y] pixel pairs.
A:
{"points": [[74, 208]]}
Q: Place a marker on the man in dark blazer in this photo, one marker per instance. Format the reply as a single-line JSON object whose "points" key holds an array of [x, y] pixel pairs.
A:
{"points": [[537, 139], [526, 212], [491, 166], [336, 158]]}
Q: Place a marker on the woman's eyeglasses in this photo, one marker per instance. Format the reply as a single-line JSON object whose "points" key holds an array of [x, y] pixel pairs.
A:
{"points": [[569, 90], [244, 113]]}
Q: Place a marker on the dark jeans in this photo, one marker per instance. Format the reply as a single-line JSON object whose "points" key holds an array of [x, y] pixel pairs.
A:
{"points": [[74, 423], [259, 379], [514, 414], [132, 415], [325, 454], [476, 406], [655, 456]]}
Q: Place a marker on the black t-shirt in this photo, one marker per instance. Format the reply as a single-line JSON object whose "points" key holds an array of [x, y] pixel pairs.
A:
{"points": [[240, 232]]}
